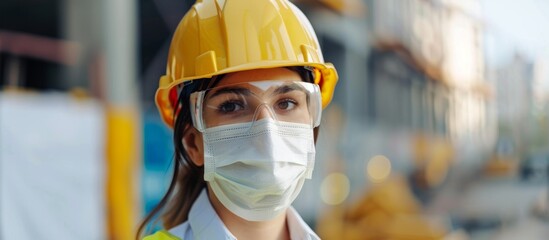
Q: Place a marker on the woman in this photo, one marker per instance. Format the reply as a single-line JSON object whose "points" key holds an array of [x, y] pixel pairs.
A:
{"points": [[245, 86]]}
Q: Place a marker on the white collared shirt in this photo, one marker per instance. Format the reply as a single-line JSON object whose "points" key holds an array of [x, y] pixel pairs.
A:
{"points": [[203, 223]]}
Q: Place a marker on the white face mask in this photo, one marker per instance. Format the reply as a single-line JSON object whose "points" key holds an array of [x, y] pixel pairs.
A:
{"points": [[257, 169]]}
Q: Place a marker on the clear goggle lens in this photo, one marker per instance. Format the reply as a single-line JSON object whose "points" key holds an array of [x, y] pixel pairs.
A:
{"points": [[283, 101]]}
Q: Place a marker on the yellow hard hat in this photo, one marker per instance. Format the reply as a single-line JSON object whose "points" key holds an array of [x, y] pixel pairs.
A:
{"points": [[223, 36]]}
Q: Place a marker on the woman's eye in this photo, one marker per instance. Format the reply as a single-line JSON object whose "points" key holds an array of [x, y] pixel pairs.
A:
{"points": [[286, 104], [228, 107]]}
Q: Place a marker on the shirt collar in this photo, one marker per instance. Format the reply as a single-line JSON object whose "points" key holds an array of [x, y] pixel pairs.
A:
{"points": [[298, 228], [206, 224], [204, 221]]}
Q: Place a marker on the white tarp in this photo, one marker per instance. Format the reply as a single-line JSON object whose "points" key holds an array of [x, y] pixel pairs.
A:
{"points": [[51, 167]]}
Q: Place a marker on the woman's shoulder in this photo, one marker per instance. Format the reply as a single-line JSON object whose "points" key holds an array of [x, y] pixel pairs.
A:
{"points": [[162, 235]]}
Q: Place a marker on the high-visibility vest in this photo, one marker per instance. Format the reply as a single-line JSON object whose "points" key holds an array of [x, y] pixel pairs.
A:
{"points": [[161, 235]]}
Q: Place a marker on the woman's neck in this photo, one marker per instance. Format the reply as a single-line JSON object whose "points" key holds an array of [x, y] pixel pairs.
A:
{"points": [[242, 229]]}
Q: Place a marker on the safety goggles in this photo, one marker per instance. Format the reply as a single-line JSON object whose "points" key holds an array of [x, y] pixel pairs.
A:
{"points": [[283, 101]]}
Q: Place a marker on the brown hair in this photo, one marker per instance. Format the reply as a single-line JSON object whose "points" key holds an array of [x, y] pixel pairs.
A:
{"points": [[188, 178]]}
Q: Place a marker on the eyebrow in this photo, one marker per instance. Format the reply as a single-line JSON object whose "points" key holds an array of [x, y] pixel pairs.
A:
{"points": [[288, 88], [235, 90]]}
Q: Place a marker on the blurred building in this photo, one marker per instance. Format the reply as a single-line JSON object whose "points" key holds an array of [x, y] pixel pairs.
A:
{"points": [[413, 88], [428, 73], [413, 91], [515, 89], [541, 84], [515, 99]]}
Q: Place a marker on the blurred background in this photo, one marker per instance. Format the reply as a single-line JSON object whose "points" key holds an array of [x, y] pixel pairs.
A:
{"points": [[438, 128]]}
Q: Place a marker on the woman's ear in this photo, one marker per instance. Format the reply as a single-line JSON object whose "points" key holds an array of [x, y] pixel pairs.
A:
{"points": [[193, 144]]}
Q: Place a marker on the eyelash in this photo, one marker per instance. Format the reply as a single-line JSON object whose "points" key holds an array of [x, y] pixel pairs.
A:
{"points": [[288, 100], [240, 105], [224, 104]]}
